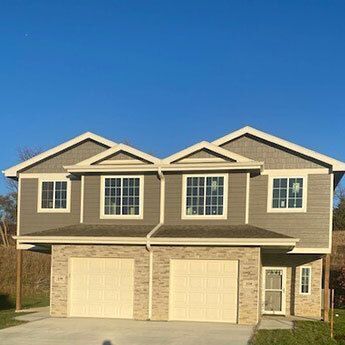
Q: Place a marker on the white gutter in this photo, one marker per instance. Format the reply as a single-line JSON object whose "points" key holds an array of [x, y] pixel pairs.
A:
{"points": [[81, 239], [148, 237], [148, 242], [182, 241]]}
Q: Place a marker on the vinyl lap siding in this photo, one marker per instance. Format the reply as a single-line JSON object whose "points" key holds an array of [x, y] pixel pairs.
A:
{"points": [[312, 227], [92, 195], [31, 221], [236, 201]]}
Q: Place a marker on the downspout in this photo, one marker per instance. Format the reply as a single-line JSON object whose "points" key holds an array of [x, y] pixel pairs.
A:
{"points": [[148, 236]]}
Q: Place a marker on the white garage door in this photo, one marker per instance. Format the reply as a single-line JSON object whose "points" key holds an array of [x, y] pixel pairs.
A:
{"points": [[203, 290], [101, 287]]}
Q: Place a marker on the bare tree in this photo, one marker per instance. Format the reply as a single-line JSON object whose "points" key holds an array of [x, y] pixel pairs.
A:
{"points": [[339, 209], [23, 153]]}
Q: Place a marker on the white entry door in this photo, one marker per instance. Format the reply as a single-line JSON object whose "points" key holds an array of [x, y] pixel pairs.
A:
{"points": [[203, 290], [101, 287], [274, 290]]}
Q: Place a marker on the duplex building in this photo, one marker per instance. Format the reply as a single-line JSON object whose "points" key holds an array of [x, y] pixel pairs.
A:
{"points": [[223, 231]]}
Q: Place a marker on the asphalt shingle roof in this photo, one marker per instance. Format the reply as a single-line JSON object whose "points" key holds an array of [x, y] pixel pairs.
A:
{"points": [[167, 231]]}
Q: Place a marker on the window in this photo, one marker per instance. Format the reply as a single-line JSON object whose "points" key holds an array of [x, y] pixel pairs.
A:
{"points": [[204, 196], [122, 197], [53, 196], [305, 280], [287, 194]]}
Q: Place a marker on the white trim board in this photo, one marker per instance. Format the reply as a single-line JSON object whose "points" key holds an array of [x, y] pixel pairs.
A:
{"points": [[306, 250], [39, 195], [165, 167], [291, 172], [336, 164], [303, 209], [269, 242], [247, 198], [309, 282], [13, 171], [283, 290]]}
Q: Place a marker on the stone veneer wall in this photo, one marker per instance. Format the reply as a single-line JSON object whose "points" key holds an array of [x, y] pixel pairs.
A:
{"points": [[249, 263], [59, 282], [249, 259], [309, 305]]}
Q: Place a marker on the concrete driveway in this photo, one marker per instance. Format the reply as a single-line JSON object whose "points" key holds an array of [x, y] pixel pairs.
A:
{"points": [[85, 331]]}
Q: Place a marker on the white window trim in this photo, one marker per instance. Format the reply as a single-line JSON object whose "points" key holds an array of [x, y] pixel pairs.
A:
{"points": [[303, 209], [184, 197], [120, 216], [54, 178], [300, 280]]}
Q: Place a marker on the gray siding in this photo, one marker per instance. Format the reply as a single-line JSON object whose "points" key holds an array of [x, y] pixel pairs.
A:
{"points": [[92, 186], [274, 157], [121, 155], [236, 201], [312, 227], [72, 155], [32, 221], [204, 153]]}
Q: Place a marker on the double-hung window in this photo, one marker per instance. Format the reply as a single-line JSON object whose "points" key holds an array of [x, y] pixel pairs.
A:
{"points": [[204, 196], [287, 194], [122, 197], [305, 280], [54, 196]]}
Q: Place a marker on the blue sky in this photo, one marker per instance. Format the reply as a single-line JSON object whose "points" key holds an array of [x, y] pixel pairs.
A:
{"points": [[163, 75]]}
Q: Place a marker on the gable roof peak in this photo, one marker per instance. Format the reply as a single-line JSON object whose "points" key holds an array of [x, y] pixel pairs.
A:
{"points": [[13, 171], [208, 146], [336, 164], [117, 148]]}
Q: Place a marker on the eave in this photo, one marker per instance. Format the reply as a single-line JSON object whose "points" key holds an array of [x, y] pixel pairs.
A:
{"points": [[73, 169], [271, 242]]}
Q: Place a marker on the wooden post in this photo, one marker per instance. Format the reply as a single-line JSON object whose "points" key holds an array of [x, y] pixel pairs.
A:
{"points": [[332, 313], [327, 264], [19, 266]]}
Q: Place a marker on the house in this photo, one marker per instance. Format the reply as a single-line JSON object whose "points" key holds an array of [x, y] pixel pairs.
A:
{"points": [[223, 231]]}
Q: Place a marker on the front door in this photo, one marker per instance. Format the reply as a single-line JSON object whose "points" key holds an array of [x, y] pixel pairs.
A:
{"points": [[274, 281]]}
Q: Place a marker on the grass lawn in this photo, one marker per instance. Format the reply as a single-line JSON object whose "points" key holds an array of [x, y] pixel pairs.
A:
{"points": [[7, 313], [305, 332]]}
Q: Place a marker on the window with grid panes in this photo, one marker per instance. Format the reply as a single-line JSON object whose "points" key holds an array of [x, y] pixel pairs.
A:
{"points": [[54, 195], [287, 192], [204, 195], [122, 196]]}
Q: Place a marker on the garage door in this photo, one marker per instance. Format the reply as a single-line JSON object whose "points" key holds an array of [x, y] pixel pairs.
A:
{"points": [[101, 287], [203, 290]]}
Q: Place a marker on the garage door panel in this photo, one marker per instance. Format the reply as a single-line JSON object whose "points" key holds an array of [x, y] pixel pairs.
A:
{"points": [[195, 268], [196, 283], [195, 299], [203, 290], [101, 287]]}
